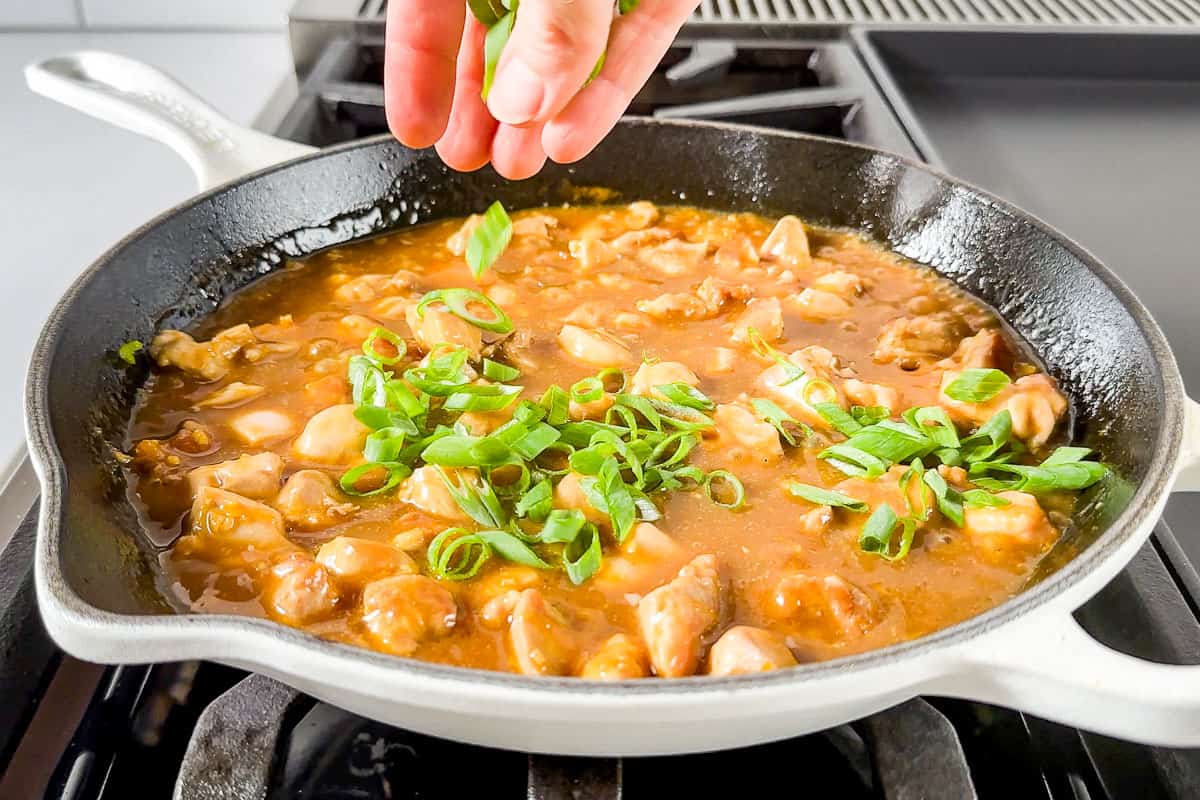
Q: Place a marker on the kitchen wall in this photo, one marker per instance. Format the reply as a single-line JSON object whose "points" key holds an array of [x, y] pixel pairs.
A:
{"points": [[143, 14]]}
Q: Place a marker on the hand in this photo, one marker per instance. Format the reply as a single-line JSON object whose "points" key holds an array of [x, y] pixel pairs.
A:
{"points": [[538, 105]]}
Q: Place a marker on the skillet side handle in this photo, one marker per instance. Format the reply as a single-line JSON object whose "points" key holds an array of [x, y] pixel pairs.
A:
{"points": [[1188, 477], [140, 98], [1052, 668]]}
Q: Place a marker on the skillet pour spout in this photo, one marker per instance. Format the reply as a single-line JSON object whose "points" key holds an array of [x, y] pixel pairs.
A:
{"points": [[96, 576]]}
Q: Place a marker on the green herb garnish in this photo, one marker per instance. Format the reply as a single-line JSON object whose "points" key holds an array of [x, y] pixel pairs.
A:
{"points": [[977, 385], [826, 497]]}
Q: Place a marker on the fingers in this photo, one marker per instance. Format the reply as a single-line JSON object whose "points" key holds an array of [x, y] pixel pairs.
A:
{"points": [[418, 73], [552, 50], [467, 143], [637, 43], [517, 152]]}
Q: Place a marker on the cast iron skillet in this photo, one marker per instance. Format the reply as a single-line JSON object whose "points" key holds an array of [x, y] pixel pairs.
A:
{"points": [[98, 579]]}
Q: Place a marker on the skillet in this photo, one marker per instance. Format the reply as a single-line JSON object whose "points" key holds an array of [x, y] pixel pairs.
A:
{"points": [[96, 575]]}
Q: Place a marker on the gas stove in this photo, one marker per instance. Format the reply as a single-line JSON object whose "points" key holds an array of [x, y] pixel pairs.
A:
{"points": [[199, 730]]}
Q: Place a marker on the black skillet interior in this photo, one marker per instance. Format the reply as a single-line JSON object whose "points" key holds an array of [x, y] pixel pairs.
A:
{"points": [[176, 269]]}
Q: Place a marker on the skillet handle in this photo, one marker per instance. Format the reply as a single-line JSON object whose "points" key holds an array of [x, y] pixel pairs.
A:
{"points": [[1188, 477], [1051, 667], [142, 99]]}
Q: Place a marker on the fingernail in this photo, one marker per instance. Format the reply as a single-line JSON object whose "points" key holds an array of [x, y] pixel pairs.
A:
{"points": [[516, 96]]}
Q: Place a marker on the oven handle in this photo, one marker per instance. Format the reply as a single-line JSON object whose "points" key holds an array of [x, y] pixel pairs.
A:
{"points": [[1048, 665], [140, 98]]}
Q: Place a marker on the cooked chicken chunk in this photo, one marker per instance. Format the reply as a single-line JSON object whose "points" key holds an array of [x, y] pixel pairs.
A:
{"points": [[537, 225], [735, 254], [592, 253], [402, 611], [765, 315], [569, 494], [985, 350], [846, 285], [310, 501], [647, 558], [828, 601], [649, 376], [541, 638], [364, 288], [620, 658], [788, 244], [708, 300], [799, 395], [333, 436], [263, 426], [910, 340], [594, 347], [228, 524], [592, 409], [298, 591], [210, 360], [1034, 402], [872, 394], [232, 395], [434, 326], [743, 436], [818, 305], [641, 214], [1021, 527], [360, 561], [457, 243], [743, 650], [677, 617], [254, 476], [426, 490]]}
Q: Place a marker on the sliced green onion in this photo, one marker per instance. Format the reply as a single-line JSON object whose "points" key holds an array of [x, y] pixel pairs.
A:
{"points": [[686, 396], [562, 525], [493, 45], [555, 459], [779, 419], [642, 406], [891, 441], [491, 236], [612, 379], [853, 462], [719, 483], [1066, 455], [1071, 476], [536, 502], [456, 554], [934, 422], [792, 373], [625, 6], [511, 548], [674, 449], [948, 500], [587, 390], [838, 419], [384, 444], [608, 493], [467, 451], [128, 351], [487, 11], [495, 371], [826, 497], [378, 418], [556, 401], [535, 440], [814, 385], [582, 556], [377, 333], [876, 535], [396, 473], [869, 415], [476, 498], [487, 397], [977, 385], [978, 498], [989, 439], [915, 472], [458, 302]]}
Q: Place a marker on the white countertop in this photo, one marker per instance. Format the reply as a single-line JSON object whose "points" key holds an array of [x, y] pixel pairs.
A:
{"points": [[71, 186]]}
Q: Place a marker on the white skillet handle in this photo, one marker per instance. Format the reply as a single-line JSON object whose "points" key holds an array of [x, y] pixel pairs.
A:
{"points": [[142, 99], [1052, 667]]}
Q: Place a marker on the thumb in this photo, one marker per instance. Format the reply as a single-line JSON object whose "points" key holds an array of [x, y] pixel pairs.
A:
{"points": [[553, 47]]}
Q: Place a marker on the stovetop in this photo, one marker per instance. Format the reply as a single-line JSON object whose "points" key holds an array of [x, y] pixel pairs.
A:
{"points": [[199, 730]]}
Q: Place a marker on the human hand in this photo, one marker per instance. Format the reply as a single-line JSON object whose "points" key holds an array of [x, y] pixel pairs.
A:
{"points": [[538, 105]]}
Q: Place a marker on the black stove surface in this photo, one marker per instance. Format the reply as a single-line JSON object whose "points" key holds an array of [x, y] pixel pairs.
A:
{"points": [[200, 730]]}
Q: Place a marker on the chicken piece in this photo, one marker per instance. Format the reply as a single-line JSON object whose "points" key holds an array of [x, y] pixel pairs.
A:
{"points": [[787, 243], [594, 347], [593, 409], [1002, 532], [744, 650], [360, 561], [886, 489], [818, 305], [592, 253], [828, 601], [718, 294], [816, 521], [985, 350], [327, 391], [872, 394], [496, 613], [541, 638], [676, 617], [592, 314], [641, 214], [390, 308], [426, 490], [363, 289], [263, 426], [538, 225], [674, 257], [720, 361], [630, 242], [765, 315], [799, 396], [735, 254], [299, 591], [846, 285], [1034, 402], [647, 558], [481, 423], [434, 326], [310, 501], [254, 476], [457, 243], [231, 396], [402, 611], [620, 658], [743, 436], [708, 300], [910, 340], [199, 359], [496, 591], [230, 525], [333, 436], [569, 494], [649, 376]]}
